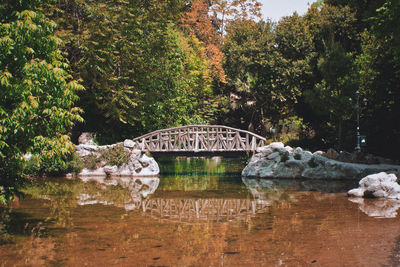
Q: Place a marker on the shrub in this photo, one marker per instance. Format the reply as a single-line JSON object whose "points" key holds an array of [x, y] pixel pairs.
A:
{"points": [[115, 155], [75, 165], [91, 161]]}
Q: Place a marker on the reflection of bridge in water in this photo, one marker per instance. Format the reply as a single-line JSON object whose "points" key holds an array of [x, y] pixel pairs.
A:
{"points": [[171, 207], [203, 209]]}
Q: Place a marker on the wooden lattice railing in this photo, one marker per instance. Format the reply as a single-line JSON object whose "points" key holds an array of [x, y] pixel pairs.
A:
{"points": [[188, 210], [200, 138]]}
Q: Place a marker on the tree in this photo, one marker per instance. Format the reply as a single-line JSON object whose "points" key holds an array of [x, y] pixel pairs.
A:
{"points": [[197, 22], [227, 11], [324, 103], [330, 97], [141, 71], [251, 67], [36, 97], [379, 69]]}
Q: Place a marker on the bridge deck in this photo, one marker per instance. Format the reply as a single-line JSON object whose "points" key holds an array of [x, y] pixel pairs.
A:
{"points": [[200, 139]]}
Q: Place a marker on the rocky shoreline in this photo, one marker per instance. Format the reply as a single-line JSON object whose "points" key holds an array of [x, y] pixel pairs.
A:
{"points": [[133, 162], [279, 161]]}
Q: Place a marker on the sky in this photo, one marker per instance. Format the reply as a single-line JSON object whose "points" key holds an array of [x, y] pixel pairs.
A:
{"points": [[275, 9]]}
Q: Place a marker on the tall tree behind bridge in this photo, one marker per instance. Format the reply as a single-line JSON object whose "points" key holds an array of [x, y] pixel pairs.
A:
{"points": [[141, 72]]}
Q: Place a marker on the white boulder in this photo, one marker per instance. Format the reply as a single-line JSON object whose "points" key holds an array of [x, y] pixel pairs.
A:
{"points": [[379, 185], [276, 145], [86, 139], [129, 144]]}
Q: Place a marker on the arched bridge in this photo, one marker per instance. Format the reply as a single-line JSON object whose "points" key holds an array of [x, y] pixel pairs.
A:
{"points": [[200, 139]]}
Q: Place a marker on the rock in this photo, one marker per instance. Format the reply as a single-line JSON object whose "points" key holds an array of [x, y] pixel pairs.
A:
{"points": [[84, 150], [356, 192], [136, 153], [298, 150], [110, 170], [273, 155], [88, 172], [276, 145], [69, 176], [265, 150], [288, 149], [332, 154], [138, 164], [303, 164], [320, 153], [306, 155], [345, 157], [86, 139], [379, 185], [129, 144]]}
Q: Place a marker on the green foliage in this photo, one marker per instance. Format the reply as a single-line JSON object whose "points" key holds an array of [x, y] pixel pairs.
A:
{"points": [[91, 162], [249, 59], [112, 156], [330, 97], [53, 165], [5, 220], [36, 96], [379, 68], [268, 67], [115, 155], [287, 130], [141, 73], [75, 164]]}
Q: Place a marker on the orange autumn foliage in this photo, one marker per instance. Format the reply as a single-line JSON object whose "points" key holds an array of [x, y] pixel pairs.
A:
{"points": [[197, 22]]}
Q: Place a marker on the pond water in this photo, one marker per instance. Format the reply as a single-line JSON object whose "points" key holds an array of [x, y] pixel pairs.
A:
{"points": [[199, 212]]}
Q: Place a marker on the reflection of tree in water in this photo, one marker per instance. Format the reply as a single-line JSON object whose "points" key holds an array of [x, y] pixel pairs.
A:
{"points": [[200, 166]]}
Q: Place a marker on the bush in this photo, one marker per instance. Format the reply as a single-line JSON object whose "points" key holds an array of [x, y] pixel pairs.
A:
{"points": [[91, 161], [115, 155], [76, 164]]}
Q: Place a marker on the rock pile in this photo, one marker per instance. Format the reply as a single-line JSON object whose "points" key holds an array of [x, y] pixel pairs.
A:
{"points": [[279, 161], [138, 163]]}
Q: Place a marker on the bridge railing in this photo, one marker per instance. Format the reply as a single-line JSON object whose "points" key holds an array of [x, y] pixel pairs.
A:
{"points": [[200, 138]]}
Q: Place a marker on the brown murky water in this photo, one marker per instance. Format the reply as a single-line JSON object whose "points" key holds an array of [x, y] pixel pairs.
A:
{"points": [[208, 220]]}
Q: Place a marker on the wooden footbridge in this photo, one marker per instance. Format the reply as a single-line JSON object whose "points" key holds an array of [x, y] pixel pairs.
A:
{"points": [[200, 139], [196, 210]]}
